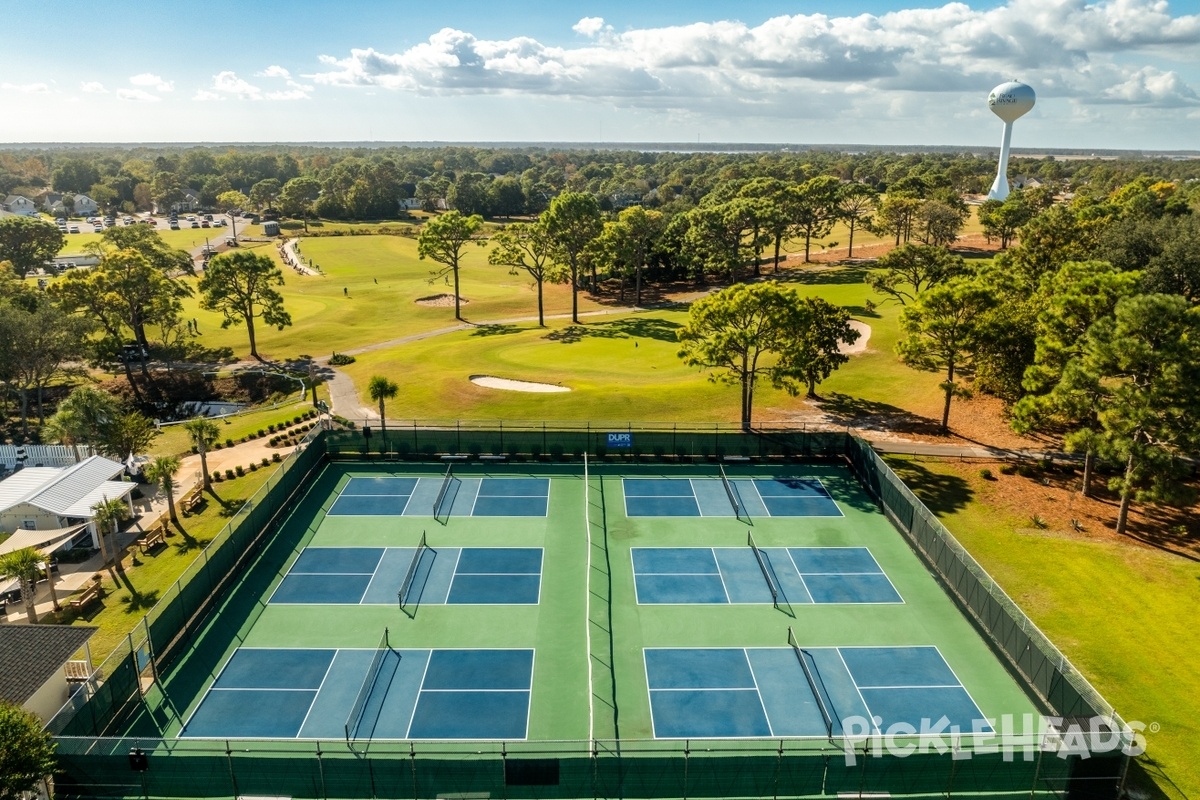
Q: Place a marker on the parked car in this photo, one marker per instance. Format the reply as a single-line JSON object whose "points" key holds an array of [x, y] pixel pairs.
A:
{"points": [[195, 224], [205, 224], [132, 352], [74, 229]]}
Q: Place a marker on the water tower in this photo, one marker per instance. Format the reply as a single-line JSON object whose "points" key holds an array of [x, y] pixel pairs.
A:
{"points": [[1008, 101]]}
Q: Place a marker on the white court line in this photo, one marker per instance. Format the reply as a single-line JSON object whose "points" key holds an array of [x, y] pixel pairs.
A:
{"points": [[724, 588], [320, 686], [799, 575], [420, 688], [453, 575], [866, 705], [758, 692]]}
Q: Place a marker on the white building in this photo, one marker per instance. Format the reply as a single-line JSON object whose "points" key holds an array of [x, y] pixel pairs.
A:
{"points": [[54, 498], [18, 204], [36, 670]]}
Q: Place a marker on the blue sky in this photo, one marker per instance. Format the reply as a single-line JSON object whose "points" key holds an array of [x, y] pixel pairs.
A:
{"points": [[1108, 73]]}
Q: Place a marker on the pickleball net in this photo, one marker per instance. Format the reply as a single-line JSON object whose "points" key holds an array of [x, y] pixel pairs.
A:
{"points": [[354, 720], [802, 656]]}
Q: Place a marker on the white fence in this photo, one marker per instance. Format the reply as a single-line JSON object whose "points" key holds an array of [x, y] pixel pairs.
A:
{"points": [[40, 455]]}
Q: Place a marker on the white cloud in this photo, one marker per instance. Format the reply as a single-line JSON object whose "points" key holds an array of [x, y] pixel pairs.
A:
{"points": [[590, 26], [1102, 51], [25, 88], [152, 81], [1150, 86], [273, 71], [138, 96], [204, 95], [228, 83], [291, 94], [92, 87]]}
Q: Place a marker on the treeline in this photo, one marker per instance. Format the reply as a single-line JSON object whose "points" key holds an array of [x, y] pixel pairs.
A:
{"points": [[369, 183], [1088, 328]]}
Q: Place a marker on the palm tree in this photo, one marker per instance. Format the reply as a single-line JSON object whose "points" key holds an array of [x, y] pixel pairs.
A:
{"points": [[109, 514], [204, 433], [26, 566], [380, 389], [162, 471], [81, 418]]}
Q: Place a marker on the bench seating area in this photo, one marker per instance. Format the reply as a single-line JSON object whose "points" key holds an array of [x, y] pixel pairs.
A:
{"points": [[192, 500], [153, 538], [86, 597]]}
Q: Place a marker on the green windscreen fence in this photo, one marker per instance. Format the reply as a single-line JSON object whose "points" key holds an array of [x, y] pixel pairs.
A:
{"points": [[94, 731]]}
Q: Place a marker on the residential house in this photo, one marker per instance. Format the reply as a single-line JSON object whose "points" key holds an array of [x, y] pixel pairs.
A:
{"points": [[37, 670], [82, 206], [86, 206], [18, 204], [52, 498]]}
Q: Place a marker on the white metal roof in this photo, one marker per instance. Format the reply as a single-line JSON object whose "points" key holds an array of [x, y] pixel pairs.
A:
{"points": [[69, 491]]}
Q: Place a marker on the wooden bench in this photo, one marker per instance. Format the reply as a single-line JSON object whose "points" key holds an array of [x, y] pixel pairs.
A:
{"points": [[153, 538], [85, 598], [192, 500]]}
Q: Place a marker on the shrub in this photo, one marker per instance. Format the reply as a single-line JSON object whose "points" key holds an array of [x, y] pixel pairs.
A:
{"points": [[340, 359], [216, 446], [229, 474], [986, 474], [1027, 470], [253, 467], [229, 442], [1039, 522], [216, 476], [1007, 469], [297, 419], [240, 472], [274, 440], [276, 457], [271, 428], [265, 461]]}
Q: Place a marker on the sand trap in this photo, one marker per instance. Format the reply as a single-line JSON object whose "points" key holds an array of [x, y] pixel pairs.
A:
{"points": [[861, 345], [492, 382], [440, 300]]}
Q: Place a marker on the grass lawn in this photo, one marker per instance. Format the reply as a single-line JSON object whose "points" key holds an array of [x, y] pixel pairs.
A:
{"points": [[147, 578], [367, 294], [174, 440], [1122, 613], [626, 367]]}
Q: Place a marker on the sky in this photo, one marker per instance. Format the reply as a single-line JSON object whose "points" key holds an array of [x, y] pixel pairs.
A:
{"points": [[1109, 74]]}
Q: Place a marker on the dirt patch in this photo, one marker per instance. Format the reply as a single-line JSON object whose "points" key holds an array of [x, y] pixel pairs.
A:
{"points": [[441, 300], [1044, 501]]}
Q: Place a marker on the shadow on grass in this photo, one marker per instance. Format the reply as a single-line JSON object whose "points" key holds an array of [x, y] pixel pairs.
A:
{"points": [[634, 328], [818, 276], [496, 330], [855, 411], [943, 494], [136, 601]]}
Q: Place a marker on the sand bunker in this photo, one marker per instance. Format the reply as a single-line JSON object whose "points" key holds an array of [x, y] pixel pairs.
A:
{"points": [[861, 345], [440, 300], [492, 382]]}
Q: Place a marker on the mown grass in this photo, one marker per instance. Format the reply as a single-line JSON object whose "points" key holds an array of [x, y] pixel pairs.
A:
{"points": [[368, 292], [626, 367], [174, 440], [1123, 614], [146, 579]]}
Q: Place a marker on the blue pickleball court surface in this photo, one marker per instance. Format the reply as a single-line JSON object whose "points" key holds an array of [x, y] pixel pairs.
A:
{"points": [[707, 497], [706, 693], [719, 575], [443, 576], [464, 497], [415, 694]]}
